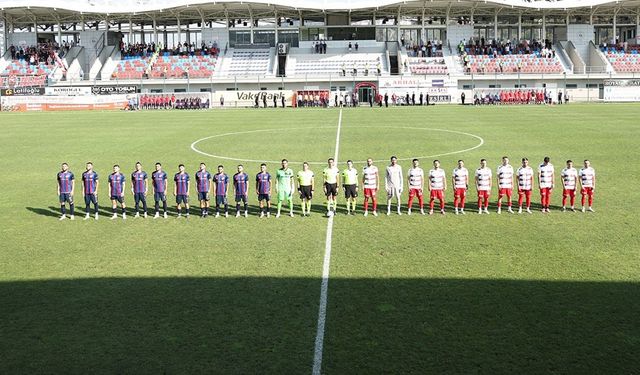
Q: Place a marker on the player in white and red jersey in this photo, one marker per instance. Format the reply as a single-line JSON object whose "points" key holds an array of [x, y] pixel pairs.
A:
{"points": [[393, 184], [483, 185], [370, 181], [504, 177], [416, 185], [460, 180], [525, 184], [437, 186], [546, 177], [587, 184], [569, 176]]}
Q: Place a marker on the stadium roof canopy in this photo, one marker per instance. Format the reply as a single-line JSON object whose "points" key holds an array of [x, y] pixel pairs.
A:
{"points": [[50, 11]]}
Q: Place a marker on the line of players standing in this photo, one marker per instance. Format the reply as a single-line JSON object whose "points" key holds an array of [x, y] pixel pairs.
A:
{"points": [[436, 181]]}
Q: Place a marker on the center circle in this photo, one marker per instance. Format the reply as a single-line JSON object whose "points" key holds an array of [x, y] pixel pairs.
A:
{"points": [[194, 145]]}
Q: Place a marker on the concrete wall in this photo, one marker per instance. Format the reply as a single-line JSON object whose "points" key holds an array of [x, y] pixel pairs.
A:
{"points": [[456, 33], [26, 39], [578, 63], [581, 35]]}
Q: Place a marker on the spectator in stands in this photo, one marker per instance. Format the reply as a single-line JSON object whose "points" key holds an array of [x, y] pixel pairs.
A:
{"points": [[349, 46], [356, 45]]}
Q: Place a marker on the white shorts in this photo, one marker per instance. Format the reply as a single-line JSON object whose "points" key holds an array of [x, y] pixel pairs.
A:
{"points": [[393, 192]]}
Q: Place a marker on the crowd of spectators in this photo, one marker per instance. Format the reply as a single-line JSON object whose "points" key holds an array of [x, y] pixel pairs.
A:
{"points": [[40, 53], [506, 47], [320, 46], [182, 49], [312, 98], [433, 48]]}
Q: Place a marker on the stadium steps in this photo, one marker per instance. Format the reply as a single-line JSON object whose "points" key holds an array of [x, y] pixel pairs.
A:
{"points": [[110, 65]]}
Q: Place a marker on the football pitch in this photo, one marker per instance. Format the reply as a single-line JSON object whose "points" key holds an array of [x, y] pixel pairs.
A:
{"points": [[555, 293]]}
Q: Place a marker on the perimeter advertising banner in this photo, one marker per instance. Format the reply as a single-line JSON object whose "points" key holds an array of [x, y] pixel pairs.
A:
{"points": [[245, 98], [440, 89], [622, 90], [23, 91], [114, 90], [62, 103], [68, 91]]}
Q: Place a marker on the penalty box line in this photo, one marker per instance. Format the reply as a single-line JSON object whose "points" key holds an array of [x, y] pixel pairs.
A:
{"points": [[324, 286]]}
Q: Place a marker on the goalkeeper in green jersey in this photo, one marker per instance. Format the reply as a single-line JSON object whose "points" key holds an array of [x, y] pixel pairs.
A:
{"points": [[285, 185]]}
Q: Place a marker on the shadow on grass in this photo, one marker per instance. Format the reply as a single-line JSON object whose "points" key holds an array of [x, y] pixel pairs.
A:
{"points": [[267, 325]]}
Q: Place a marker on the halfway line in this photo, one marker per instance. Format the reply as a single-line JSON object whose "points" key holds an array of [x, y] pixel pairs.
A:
{"points": [[324, 286]]}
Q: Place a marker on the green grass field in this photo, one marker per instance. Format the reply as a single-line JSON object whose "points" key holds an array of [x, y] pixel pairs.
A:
{"points": [[474, 294]]}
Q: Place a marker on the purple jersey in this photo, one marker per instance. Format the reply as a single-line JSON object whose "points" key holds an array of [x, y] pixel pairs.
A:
{"points": [[116, 181], [65, 181], [159, 181], [222, 181], [90, 181], [182, 183], [139, 181], [264, 182], [203, 179], [240, 183]]}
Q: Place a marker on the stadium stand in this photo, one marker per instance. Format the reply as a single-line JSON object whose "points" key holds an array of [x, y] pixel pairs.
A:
{"points": [[623, 59], [512, 64], [338, 64], [427, 66], [131, 68], [180, 66], [249, 62]]}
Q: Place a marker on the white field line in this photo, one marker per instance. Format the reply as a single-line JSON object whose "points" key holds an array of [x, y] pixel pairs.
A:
{"points": [[324, 286], [195, 143]]}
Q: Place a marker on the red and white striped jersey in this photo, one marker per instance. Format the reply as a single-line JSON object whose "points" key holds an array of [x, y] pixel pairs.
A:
{"points": [[505, 177], [569, 178], [587, 177], [546, 175], [436, 179], [416, 178], [370, 177], [461, 176], [525, 178], [394, 178], [484, 178]]}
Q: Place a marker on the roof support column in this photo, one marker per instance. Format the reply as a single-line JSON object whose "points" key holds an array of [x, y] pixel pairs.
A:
{"points": [[275, 13], [155, 31], [3, 33], [59, 32], [544, 26], [637, 23], [179, 31], [130, 37], [495, 25], [519, 26], [615, 26]]}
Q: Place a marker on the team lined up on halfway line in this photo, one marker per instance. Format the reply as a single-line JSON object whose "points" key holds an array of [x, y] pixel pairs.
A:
{"points": [[217, 185]]}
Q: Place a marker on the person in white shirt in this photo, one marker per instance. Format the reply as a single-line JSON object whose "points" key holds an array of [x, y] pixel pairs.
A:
{"points": [[587, 184], [460, 181], [569, 176], [483, 186], [370, 181], [416, 186], [393, 184], [525, 185], [504, 178], [546, 177], [437, 186]]}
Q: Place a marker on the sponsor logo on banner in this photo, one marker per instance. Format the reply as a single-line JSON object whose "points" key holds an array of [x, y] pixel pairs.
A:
{"points": [[248, 98], [111, 90], [622, 82], [68, 91], [23, 91]]}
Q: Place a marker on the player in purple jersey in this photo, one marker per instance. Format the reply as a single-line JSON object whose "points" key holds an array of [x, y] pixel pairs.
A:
{"points": [[203, 185], [139, 188], [66, 186], [90, 188], [181, 190], [241, 187], [116, 192], [221, 181], [159, 180], [263, 190]]}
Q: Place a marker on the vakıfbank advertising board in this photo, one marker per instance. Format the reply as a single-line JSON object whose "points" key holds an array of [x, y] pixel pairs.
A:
{"points": [[245, 98]]}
